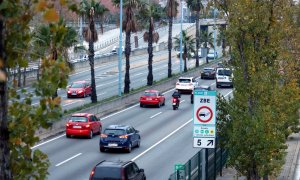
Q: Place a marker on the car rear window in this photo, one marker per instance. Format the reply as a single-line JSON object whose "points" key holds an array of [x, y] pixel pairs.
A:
{"points": [[105, 173], [207, 70], [224, 72], [149, 94], [79, 119], [184, 80], [77, 85], [116, 132]]}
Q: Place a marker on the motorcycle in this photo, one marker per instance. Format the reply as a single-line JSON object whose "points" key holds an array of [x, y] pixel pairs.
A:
{"points": [[175, 103]]}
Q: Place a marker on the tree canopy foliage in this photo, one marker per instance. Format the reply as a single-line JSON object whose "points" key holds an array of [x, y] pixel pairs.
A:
{"points": [[19, 118], [255, 123]]}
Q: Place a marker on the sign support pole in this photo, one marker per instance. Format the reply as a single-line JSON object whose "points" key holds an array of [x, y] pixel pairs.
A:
{"points": [[203, 164]]}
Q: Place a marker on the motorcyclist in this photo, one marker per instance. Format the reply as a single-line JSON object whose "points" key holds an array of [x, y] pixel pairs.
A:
{"points": [[177, 96]]}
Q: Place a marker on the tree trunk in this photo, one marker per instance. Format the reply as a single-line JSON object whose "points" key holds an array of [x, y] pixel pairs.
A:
{"points": [[5, 172], [197, 33], [136, 40], [185, 58], [150, 52], [91, 61], [19, 76], [24, 77], [127, 66], [170, 47]]}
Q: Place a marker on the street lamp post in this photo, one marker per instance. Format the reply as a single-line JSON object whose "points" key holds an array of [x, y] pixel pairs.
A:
{"points": [[181, 19], [120, 51]]}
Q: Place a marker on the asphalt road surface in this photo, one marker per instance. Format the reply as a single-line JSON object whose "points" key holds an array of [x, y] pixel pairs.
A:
{"points": [[166, 139]]}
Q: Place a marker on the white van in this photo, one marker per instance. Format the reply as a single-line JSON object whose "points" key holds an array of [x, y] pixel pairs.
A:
{"points": [[224, 77]]}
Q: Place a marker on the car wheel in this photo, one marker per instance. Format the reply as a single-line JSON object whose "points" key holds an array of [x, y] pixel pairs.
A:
{"points": [[138, 143], [84, 95], [164, 103], [158, 105], [100, 130], [174, 108], [201, 77], [141, 105], [129, 148], [91, 134], [68, 135], [192, 102], [102, 149]]}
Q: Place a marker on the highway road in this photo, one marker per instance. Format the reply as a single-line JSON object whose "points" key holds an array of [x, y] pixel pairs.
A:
{"points": [[166, 140], [107, 77]]}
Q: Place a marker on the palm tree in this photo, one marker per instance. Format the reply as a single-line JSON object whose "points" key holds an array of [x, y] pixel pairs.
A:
{"points": [[90, 35], [153, 13], [59, 43], [188, 43], [129, 26], [171, 11], [221, 39], [100, 12], [207, 39], [196, 5]]}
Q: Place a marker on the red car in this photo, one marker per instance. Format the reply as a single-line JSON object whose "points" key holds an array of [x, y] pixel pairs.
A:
{"points": [[152, 97], [79, 89], [83, 124]]}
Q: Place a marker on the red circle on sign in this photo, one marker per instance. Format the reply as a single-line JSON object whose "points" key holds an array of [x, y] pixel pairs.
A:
{"points": [[210, 117]]}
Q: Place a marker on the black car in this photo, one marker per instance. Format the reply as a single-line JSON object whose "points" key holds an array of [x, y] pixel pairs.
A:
{"points": [[121, 170], [119, 137], [208, 73], [202, 87]]}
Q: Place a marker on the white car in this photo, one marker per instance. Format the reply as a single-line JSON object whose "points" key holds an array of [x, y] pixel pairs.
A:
{"points": [[212, 54], [224, 77], [186, 84], [115, 49]]}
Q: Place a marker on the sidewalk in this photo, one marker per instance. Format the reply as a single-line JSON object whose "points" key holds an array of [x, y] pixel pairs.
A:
{"points": [[289, 170]]}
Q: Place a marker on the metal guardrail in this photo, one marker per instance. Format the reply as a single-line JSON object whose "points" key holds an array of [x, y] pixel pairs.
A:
{"points": [[216, 160]]}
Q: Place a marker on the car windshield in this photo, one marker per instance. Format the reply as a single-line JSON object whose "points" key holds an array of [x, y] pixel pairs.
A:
{"points": [[116, 132], [104, 173], [184, 80], [77, 85], [224, 72], [149, 94], [78, 119]]}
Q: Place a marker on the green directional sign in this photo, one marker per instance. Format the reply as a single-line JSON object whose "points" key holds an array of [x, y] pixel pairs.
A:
{"points": [[180, 171]]}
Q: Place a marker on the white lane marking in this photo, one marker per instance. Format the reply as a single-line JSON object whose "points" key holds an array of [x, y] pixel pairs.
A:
{"points": [[153, 146], [228, 93], [144, 79], [213, 83], [70, 103], [155, 115], [68, 159], [47, 141], [101, 94], [137, 74], [107, 83], [120, 111], [182, 101], [161, 73]]}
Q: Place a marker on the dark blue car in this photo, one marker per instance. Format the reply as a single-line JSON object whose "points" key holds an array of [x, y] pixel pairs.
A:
{"points": [[119, 137]]}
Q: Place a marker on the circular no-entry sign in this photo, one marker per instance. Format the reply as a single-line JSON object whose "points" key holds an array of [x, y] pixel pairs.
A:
{"points": [[204, 114]]}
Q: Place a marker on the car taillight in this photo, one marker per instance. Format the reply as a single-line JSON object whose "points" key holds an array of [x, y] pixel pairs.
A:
{"points": [[174, 100], [67, 124], [69, 91], [80, 91], [191, 84], [124, 136], [103, 135], [92, 173], [87, 126]]}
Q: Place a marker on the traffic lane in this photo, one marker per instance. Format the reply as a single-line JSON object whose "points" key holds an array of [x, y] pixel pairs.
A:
{"points": [[178, 148], [151, 131]]}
